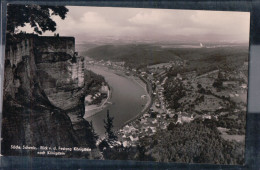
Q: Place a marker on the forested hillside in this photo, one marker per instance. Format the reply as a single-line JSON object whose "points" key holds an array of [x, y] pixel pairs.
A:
{"points": [[199, 59]]}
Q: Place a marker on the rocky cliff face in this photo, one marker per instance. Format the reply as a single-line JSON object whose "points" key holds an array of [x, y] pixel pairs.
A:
{"points": [[44, 89], [60, 70]]}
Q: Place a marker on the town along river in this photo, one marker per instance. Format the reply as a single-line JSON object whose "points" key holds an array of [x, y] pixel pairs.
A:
{"points": [[126, 101]]}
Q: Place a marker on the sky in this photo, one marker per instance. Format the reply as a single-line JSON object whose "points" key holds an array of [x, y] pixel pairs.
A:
{"points": [[139, 24]]}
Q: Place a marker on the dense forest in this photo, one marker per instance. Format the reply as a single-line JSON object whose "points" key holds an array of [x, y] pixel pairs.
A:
{"points": [[195, 142]]}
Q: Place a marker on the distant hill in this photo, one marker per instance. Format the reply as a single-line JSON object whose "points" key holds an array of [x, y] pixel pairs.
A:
{"points": [[139, 55], [133, 55], [207, 59]]}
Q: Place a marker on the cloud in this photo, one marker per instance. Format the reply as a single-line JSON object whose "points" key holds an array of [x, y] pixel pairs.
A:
{"points": [[148, 18], [93, 20], [223, 22], [154, 24]]}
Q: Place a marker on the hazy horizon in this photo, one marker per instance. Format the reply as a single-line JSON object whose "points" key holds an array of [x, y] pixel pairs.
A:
{"points": [[113, 24]]}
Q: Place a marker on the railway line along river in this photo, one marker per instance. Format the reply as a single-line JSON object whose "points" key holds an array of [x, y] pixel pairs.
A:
{"points": [[125, 102]]}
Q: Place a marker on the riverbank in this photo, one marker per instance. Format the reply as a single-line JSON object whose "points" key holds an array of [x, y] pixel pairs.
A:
{"points": [[148, 89], [91, 110]]}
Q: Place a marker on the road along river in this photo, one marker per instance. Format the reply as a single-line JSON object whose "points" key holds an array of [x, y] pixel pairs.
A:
{"points": [[125, 101]]}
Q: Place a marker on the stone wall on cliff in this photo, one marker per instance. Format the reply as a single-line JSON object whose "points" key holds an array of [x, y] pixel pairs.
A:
{"points": [[51, 44]]}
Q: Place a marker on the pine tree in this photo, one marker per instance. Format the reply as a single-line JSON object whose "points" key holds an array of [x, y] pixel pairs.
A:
{"points": [[91, 136], [95, 136], [111, 137]]}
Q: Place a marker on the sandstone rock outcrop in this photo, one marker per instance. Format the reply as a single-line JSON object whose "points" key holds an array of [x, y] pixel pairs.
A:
{"points": [[44, 91]]}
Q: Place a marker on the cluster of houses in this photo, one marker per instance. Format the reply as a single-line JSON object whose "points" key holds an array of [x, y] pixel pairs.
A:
{"points": [[141, 127], [97, 96], [147, 125], [114, 65]]}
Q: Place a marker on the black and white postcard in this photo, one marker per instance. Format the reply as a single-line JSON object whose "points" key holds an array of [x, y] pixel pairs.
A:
{"points": [[136, 84]]}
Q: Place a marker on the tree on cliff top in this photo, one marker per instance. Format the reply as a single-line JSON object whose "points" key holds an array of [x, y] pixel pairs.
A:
{"points": [[39, 17]]}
